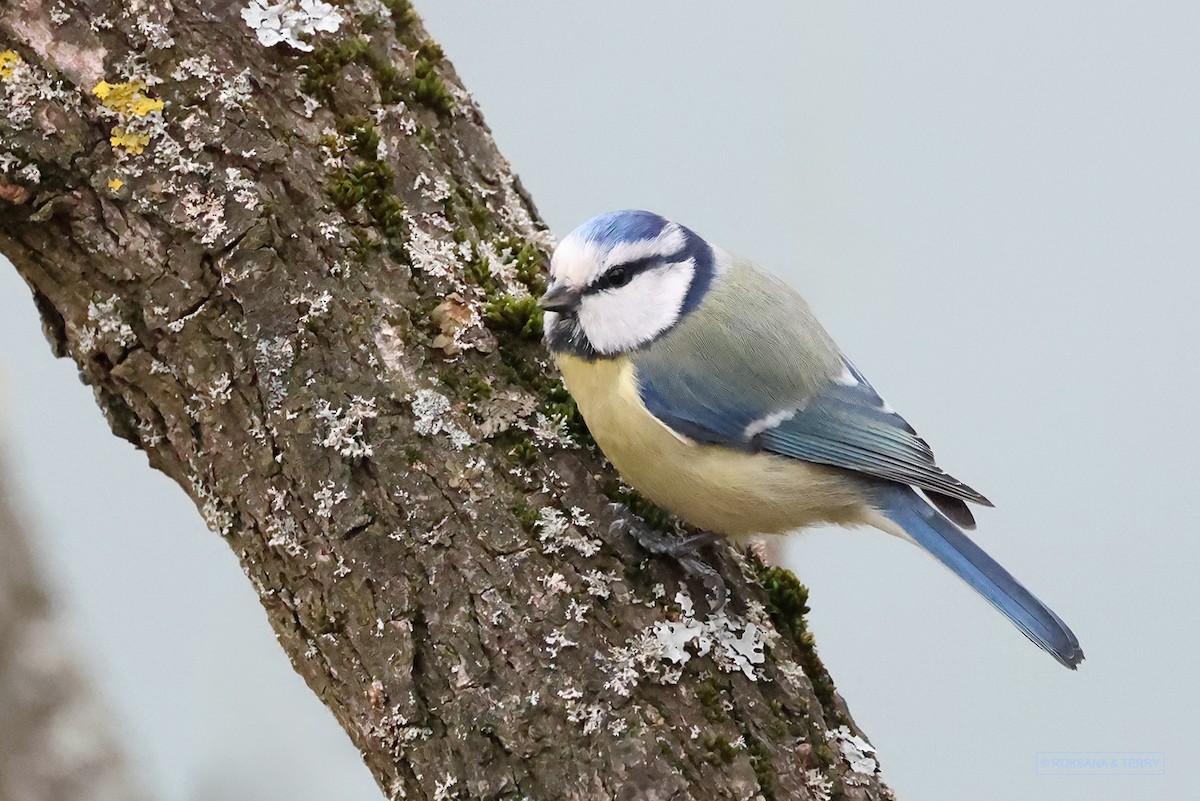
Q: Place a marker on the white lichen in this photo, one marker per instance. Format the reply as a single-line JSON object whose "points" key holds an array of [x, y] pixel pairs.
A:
{"points": [[505, 409], [556, 533], [344, 426], [577, 611], [444, 790], [243, 188], [217, 517], [155, 33], [431, 410], [106, 326], [855, 750], [315, 305], [235, 91], [555, 583], [177, 325], [735, 645], [818, 785], [793, 673], [327, 499], [287, 21], [204, 213], [552, 431], [220, 390], [438, 256], [556, 641], [23, 86], [273, 358], [597, 583], [438, 187]]}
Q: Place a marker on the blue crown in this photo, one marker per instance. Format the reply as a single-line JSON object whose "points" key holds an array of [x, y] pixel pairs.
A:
{"points": [[615, 227]]}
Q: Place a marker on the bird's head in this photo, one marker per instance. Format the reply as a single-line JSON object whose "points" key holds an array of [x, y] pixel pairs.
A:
{"points": [[620, 281]]}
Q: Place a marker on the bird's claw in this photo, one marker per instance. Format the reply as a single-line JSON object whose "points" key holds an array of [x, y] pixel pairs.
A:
{"points": [[682, 549]]}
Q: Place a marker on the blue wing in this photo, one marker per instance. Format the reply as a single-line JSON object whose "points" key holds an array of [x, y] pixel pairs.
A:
{"points": [[842, 422]]}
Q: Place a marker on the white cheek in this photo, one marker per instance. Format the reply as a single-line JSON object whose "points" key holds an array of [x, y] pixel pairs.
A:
{"points": [[622, 319]]}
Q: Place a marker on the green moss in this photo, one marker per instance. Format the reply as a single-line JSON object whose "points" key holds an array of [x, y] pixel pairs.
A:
{"points": [[471, 387], [424, 136], [787, 604], [709, 695], [525, 453], [529, 263], [425, 87], [777, 726], [361, 136], [369, 184], [364, 247], [479, 215], [720, 750], [324, 66], [764, 767], [516, 317], [517, 323], [525, 515], [468, 210], [354, 186], [479, 272], [403, 15]]}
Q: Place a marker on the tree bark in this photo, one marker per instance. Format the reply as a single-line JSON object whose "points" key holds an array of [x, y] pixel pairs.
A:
{"points": [[55, 740], [303, 282]]}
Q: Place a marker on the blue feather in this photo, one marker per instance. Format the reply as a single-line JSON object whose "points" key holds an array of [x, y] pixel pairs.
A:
{"points": [[968, 561], [626, 225], [843, 425]]}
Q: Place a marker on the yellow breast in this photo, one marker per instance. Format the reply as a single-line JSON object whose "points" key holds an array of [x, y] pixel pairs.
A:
{"points": [[718, 489]]}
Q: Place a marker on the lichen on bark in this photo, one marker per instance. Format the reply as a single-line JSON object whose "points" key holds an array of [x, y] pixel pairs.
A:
{"points": [[307, 294]]}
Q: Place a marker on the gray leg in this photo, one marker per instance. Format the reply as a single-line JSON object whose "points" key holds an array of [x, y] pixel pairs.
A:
{"points": [[683, 549]]}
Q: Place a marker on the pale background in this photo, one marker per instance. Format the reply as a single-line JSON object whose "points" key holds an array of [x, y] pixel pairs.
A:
{"points": [[995, 207]]}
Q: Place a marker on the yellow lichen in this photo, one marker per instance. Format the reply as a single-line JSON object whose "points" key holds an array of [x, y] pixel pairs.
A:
{"points": [[9, 61], [127, 98], [131, 141], [144, 105], [115, 184]]}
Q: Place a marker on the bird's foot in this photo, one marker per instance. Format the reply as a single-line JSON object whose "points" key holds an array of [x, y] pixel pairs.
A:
{"points": [[682, 549]]}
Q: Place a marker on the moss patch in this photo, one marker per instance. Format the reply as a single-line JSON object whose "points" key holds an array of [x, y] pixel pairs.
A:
{"points": [[787, 604], [426, 87], [516, 317]]}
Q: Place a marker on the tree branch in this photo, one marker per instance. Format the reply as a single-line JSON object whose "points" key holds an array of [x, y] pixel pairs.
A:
{"points": [[303, 283]]}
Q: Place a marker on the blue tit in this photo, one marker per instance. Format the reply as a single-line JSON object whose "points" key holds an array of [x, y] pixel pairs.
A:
{"points": [[714, 391]]}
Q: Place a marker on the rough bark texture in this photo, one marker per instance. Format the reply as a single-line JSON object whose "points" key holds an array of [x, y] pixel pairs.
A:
{"points": [[301, 282], [55, 739]]}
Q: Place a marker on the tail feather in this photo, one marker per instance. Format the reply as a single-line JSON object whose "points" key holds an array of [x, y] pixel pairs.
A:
{"points": [[952, 548]]}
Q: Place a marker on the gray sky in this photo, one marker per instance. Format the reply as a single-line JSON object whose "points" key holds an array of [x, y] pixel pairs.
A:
{"points": [[995, 209]]}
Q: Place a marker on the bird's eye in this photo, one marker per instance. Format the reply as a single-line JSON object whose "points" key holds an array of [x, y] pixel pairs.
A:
{"points": [[618, 276]]}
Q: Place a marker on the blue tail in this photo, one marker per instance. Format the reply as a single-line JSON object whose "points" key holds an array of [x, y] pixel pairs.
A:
{"points": [[940, 537]]}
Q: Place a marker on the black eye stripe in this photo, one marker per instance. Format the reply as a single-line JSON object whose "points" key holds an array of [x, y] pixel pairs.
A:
{"points": [[621, 274]]}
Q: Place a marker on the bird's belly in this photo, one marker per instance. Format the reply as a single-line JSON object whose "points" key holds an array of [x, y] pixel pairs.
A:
{"points": [[718, 489]]}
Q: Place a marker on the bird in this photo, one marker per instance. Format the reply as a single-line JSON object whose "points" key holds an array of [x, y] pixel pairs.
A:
{"points": [[713, 390]]}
